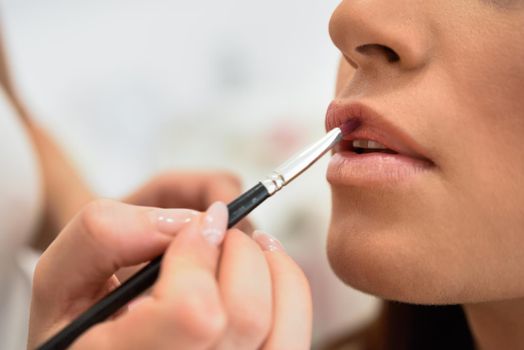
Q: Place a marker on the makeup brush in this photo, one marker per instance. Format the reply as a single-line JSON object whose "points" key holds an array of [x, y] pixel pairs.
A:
{"points": [[237, 209]]}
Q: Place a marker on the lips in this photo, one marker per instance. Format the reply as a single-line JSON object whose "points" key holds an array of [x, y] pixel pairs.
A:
{"points": [[377, 151]]}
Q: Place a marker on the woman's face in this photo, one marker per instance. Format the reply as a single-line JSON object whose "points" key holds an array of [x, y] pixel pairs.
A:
{"points": [[440, 83]]}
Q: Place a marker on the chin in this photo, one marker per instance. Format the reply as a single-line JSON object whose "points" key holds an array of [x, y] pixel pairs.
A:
{"points": [[391, 255]]}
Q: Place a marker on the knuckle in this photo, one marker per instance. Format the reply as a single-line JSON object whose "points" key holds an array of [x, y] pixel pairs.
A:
{"points": [[165, 178], [250, 319], [200, 316], [231, 178], [94, 220], [40, 285]]}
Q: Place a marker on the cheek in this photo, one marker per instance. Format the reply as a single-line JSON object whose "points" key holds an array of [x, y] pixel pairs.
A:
{"points": [[432, 245], [394, 243]]}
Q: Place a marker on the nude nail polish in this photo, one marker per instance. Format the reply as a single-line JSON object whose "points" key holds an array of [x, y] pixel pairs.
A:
{"points": [[267, 242], [170, 221], [214, 223]]}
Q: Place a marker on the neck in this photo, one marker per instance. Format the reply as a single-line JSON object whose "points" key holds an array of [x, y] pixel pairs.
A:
{"points": [[497, 325]]}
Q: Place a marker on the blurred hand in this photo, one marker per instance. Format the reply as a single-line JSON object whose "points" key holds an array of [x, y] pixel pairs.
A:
{"points": [[193, 190], [208, 296]]}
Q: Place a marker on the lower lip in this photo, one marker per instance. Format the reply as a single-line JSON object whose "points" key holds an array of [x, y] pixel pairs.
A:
{"points": [[350, 168]]}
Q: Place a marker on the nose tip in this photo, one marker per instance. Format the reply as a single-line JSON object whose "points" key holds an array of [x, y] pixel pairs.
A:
{"points": [[372, 34]]}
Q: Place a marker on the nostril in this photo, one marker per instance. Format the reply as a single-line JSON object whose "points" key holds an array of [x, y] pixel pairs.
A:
{"points": [[369, 49], [391, 55]]}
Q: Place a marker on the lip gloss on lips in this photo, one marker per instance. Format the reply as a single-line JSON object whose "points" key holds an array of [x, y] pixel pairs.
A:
{"points": [[349, 126]]}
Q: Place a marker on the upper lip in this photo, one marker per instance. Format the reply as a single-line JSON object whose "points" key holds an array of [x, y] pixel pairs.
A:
{"points": [[374, 127]]}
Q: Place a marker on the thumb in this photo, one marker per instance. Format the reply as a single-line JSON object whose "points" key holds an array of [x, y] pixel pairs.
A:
{"points": [[105, 236]]}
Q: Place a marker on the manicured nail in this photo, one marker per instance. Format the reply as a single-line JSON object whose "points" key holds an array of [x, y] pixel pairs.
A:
{"points": [[267, 242], [214, 223], [170, 221]]}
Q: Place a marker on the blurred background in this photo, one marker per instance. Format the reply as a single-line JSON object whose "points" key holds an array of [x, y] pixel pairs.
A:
{"points": [[136, 87]]}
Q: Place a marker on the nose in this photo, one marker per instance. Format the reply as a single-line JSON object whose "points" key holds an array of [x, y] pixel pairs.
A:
{"points": [[378, 34]]}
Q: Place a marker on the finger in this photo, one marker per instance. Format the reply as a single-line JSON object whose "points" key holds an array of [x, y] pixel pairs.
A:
{"points": [[188, 190], [222, 187], [196, 248], [188, 282], [245, 286], [125, 273], [191, 190], [184, 310], [292, 307], [245, 225], [103, 237]]}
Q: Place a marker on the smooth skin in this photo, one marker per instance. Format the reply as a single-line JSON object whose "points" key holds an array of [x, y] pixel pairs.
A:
{"points": [[234, 295], [453, 234]]}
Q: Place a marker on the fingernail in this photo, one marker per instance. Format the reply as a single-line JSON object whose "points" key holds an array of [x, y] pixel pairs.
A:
{"points": [[267, 242], [170, 221], [214, 224]]}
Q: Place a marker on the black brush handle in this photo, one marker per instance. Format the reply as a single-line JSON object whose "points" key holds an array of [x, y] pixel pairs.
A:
{"points": [[245, 203], [143, 279]]}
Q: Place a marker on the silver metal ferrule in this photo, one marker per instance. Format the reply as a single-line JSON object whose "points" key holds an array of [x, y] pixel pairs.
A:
{"points": [[295, 166]]}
